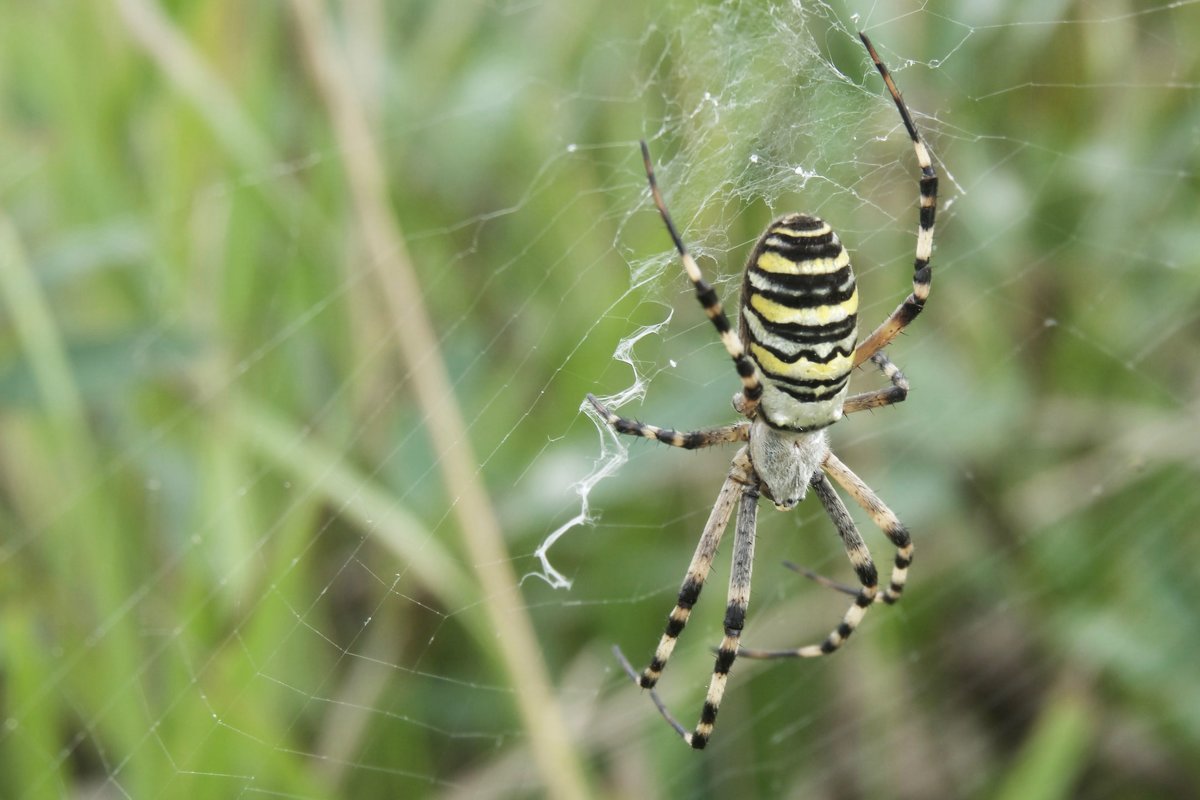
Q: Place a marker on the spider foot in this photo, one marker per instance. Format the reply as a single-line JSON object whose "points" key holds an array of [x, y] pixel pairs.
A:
{"points": [[830, 583], [658, 703], [625, 665]]}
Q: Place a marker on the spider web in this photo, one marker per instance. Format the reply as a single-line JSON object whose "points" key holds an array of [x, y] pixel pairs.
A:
{"points": [[234, 564]]}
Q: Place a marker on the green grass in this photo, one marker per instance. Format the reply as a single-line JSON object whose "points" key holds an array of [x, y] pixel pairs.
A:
{"points": [[246, 548]]}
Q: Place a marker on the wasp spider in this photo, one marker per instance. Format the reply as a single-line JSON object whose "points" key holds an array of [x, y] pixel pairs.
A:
{"points": [[794, 350]]}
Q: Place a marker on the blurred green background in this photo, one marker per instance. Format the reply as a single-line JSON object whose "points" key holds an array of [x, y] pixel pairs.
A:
{"points": [[299, 302]]}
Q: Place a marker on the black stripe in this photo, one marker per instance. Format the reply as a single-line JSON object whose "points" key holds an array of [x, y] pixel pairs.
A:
{"points": [[927, 215], [628, 426], [807, 397], [807, 353], [815, 298], [735, 619], [708, 713], [689, 593], [909, 311], [787, 282], [724, 661], [675, 627], [797, 222], [808, 383], [801, 250], [712, 305], [808, 334]]}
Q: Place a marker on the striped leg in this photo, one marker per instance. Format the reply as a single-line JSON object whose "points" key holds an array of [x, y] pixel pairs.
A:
{"points": [[907, 311], [883, 397], [697, 571], [735, 615], [691, 440], [882, 516], [860, 558], [707, 295]]}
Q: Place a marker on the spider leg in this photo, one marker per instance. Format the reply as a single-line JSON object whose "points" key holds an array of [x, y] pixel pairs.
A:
{"points": [[658, 703], [698, 569], [907, 311], [690, 440], [882, 516], [707, 295], [735, 615], [740, 482], [860, 558], [896, 393], [828, 583]]}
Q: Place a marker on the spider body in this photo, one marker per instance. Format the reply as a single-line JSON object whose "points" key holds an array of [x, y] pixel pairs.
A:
{"points": [[799, 321], [794, 350], [785, 461], [799, 324]]}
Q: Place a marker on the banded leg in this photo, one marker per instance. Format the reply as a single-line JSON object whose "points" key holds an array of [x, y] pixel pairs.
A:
{"points": [[882, 516], [907, 311], [864, 567], [697, 571], [896, 393], [707, 295], [735, 615], [690, 440]]}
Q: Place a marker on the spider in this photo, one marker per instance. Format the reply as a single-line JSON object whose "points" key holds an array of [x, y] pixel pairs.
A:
{"points": [[794, 350]]}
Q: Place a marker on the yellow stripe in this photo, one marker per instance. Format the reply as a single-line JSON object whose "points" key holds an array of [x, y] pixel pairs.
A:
{"points": [[801, 370], [819, 315], [773, 262], [786, 231]]}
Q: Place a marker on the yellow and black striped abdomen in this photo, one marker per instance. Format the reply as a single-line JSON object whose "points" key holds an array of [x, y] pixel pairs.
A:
{"points": [[799, 321]]}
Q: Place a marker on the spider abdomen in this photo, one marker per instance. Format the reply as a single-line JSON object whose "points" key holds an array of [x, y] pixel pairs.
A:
{"points": [[799, 322]]}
